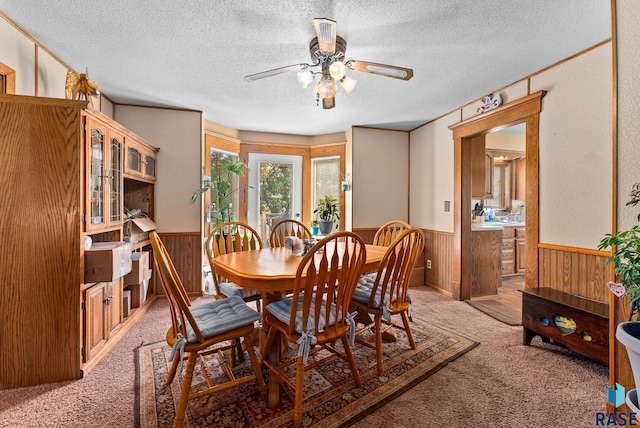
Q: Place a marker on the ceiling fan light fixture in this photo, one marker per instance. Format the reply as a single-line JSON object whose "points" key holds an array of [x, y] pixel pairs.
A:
{"points": [[326, 87], [348, 83], [328, 103], [337, 70], [305, 78]]}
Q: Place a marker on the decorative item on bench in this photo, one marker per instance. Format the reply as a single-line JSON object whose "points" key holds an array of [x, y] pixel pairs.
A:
{"points": [[564, 324]]}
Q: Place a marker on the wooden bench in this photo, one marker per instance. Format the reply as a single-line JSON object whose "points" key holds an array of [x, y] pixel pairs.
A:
{"points": [[591, 336]]}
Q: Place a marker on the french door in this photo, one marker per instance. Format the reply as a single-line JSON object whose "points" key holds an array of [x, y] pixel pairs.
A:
{"points": [[275, 192]]}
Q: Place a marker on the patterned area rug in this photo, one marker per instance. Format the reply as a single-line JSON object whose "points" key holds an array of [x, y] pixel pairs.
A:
{"points": [[331, 398]]}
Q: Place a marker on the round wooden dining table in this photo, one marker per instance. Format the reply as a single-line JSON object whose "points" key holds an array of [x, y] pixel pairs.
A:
{"points": [[272, 271]]}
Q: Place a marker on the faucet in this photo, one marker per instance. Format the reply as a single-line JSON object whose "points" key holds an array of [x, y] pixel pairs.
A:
{"points": [[513, 217]]}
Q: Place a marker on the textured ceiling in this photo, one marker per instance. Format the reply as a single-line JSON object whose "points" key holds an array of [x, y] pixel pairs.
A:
{"points": [[194, 54]]}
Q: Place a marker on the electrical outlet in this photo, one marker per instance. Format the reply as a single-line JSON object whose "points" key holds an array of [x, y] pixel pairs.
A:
{"points": [[428, 264], [447, 206]]}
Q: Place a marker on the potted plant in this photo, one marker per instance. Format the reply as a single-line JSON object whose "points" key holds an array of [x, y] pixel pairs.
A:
{"points": [[327, 213], [313, 224], [222, 188], [626, 260]]}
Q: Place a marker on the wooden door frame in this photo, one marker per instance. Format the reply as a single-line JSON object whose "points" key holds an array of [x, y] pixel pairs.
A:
{"points": [[525, 110], [9, 79]]}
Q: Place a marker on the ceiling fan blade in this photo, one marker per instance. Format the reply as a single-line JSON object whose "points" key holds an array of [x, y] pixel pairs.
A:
{"points": [[326, 30], [381, 69], [275, 71]]}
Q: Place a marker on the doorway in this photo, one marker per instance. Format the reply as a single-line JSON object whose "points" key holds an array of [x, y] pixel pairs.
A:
{"points": [[525, 110], [276, 181], [505, 206]]}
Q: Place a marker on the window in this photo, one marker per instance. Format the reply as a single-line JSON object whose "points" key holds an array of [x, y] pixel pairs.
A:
{"points": [[325, 178], [219, 161]]}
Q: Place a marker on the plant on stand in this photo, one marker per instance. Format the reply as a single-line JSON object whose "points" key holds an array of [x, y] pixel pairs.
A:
{"points": [[313, 224], [327, 213], [222, 192], [626, 261]]}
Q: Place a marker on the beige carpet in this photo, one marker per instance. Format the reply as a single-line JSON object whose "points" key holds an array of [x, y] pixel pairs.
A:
{"points": [[500, 383], [331, 397]]}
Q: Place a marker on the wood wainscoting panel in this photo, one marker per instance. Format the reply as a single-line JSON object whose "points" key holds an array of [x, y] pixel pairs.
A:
{"points": [[438, 247], [185, 250], [578, 271], [366, 234], [418, 275]]}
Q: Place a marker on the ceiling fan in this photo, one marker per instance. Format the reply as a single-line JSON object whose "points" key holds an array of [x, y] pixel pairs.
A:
{"points": [[327, 52]]}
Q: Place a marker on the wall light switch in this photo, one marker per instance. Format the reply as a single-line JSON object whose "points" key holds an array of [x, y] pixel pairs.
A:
{"points": [[447, 206]]}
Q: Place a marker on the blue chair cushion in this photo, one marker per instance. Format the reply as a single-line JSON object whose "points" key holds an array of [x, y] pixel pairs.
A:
{"points": [[364, 289], [230, 289], [220, 316], [282, 310]]}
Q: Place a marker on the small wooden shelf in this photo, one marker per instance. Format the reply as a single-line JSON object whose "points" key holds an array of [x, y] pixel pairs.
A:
{"points": [[591, 335]]}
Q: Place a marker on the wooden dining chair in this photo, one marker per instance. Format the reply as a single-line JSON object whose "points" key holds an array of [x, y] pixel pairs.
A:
{"points": [[385, 235], [387, 293], [316, 314], [389, 231], [229, 237], [203, 329], [285, 228]]}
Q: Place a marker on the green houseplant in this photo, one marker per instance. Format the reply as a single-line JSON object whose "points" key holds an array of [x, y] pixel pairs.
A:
{"points": [[222, 192], [313, 224], [327, 213]]}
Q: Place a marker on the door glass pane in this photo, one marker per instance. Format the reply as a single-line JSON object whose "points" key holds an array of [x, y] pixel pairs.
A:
{"points": [[325, 178], [275, 194], [96, 183], [114, 181]]}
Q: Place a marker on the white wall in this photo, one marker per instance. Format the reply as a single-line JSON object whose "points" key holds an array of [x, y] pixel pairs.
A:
{"points": [[575, 149], [52, 77], [380, 176], [628, 27], [178, 135], [18, 52], [511, 142], [575, 153], [431, 178]]}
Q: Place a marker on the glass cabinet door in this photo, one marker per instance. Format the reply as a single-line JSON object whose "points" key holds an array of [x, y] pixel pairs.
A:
{"points": [[115, 179], [149, 166], [134, 159], [96, 182]]}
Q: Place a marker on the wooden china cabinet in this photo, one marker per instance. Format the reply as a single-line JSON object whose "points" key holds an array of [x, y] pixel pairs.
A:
{"points": [[63, 179]]}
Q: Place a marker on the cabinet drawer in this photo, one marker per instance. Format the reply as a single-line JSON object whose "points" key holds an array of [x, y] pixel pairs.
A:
{"points": [[508, 232], [507, 256], [520, 232], [507, 267], [507, 245]]}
